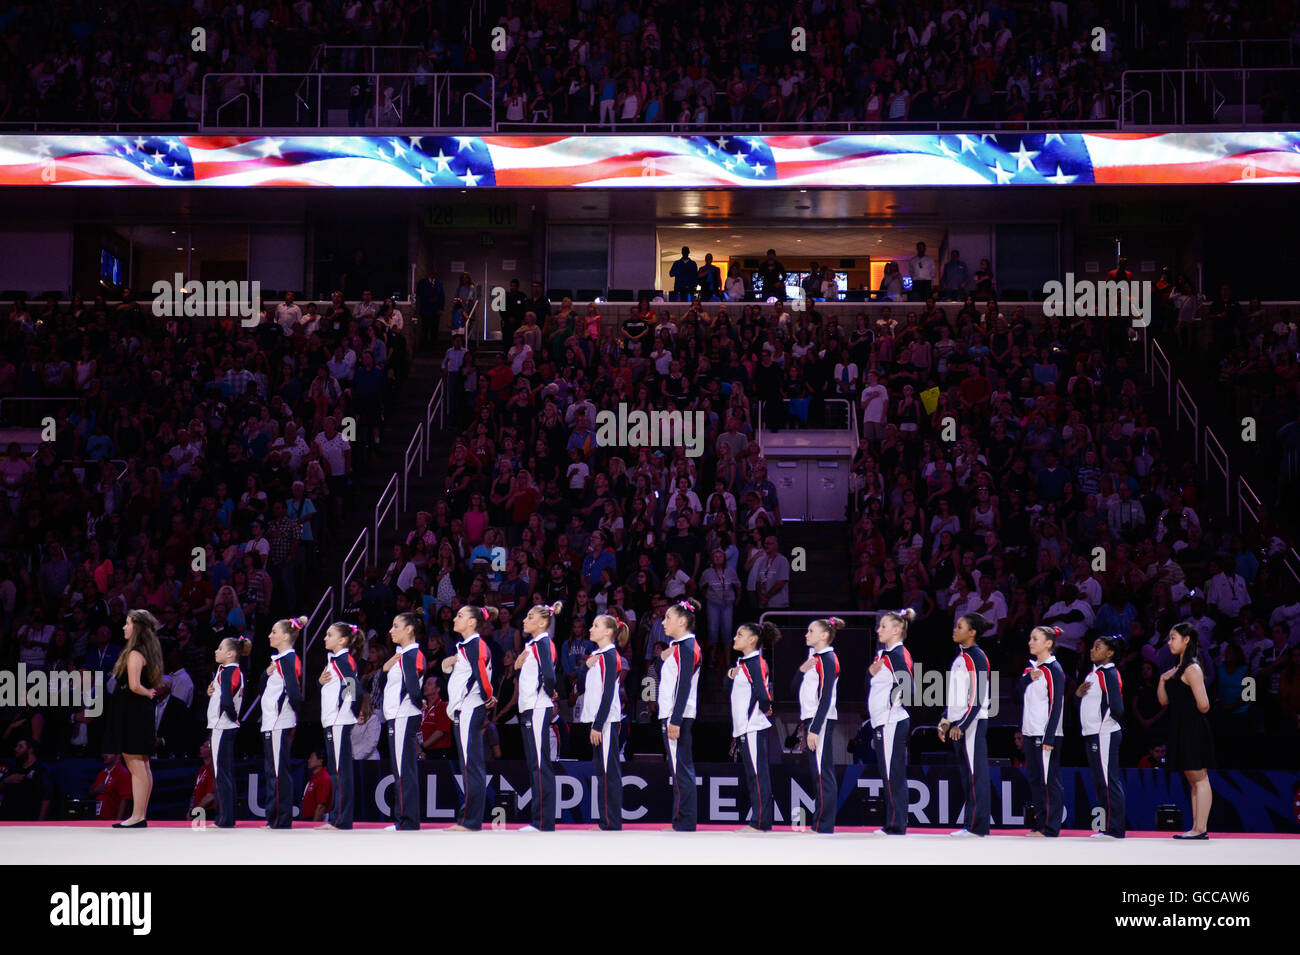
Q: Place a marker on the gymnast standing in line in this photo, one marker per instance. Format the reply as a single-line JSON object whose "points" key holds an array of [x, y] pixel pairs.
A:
{"points": [[679, 682], [602, 707], [225, 697], [965, 724], [889, 684], [340, 704], [469, 696], [281, 700], [1101, 707], [1042, 687], [403, 709], [536, 666], [751, 707], [817, 686]]}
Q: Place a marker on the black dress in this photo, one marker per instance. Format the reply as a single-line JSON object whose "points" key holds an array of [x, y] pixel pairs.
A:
{"points": [[130, 728], [1191, 741]]}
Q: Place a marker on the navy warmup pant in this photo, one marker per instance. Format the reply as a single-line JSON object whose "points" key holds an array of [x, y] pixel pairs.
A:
{"points": [[753, 751], [972, 752], [681, 761], [1045, 785], [536, 726], [402, 750], [890, 744], [338, 752], [1107, 779], [469, 744], [609, 779], [821, 764], [223, 762], [278, 782]]}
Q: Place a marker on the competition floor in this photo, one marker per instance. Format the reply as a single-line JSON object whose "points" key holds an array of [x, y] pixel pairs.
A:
{"points": [[178, 844]]}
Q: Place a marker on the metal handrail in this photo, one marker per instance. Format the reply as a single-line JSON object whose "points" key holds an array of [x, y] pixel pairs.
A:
{"points": [[628, 127], [1219, 457], [850, 425], [248, 105], [435, 407], [319, 64], [416, 444], [1291, 560], [65, 126], [1185, 407], [1128, 102], [316, 621], [464, 107], [477, 11], [1176, 81], [1243, 505], [448, 83], [1157, 356], [1194, 48], [386, 504], [350, 566]]}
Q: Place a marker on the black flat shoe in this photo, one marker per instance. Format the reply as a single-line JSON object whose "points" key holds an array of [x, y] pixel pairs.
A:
{"points": [[1183, 835], [134, 825]]}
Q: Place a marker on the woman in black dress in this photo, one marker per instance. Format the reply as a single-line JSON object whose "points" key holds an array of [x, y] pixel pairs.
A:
{"points": [[1191, 742], [130, 729]]}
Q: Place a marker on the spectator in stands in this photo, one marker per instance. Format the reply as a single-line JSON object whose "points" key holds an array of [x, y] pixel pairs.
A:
{"points": [[27, 788], [112, 789], [318, 795], [435, 724]]}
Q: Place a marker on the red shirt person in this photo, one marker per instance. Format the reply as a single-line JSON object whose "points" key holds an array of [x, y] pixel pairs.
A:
{"points": [[319, 794], [112, 788], [435, 724], [204, 796]]}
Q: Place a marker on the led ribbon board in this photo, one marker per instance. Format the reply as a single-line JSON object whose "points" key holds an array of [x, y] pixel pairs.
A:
{"points": [[656, 162]]}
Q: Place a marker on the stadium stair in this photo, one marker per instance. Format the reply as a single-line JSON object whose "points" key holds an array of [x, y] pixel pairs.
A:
{"points": [[825, 583], [406, 411]]}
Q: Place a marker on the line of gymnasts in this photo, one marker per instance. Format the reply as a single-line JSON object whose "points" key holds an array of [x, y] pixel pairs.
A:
{"points": [[470, 696]]}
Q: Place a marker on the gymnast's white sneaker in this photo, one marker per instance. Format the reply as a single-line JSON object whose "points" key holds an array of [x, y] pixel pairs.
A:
{"points": [[962, 834], [528, 828], [390, 828], [1101, 835]]}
